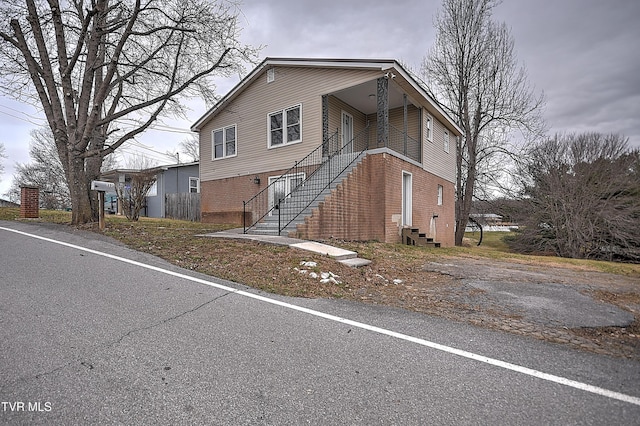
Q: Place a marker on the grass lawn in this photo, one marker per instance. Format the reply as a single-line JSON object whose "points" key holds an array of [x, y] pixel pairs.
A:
{"points": [[154, 233]]}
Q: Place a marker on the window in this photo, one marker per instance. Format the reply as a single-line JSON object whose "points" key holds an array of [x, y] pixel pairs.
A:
{"points": [[224, 142], [271, 75], [440, 189], [446, 141], [429, 128], [153, 190], [194, 185], [285, 126]]}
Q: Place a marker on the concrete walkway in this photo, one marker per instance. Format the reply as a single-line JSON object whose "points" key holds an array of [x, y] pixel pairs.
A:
{"points": [[346, 257]]}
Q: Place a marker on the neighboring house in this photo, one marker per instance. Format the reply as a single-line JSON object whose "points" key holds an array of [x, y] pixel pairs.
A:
{"points": [[171, 181], [329, 148], [7, 203]]}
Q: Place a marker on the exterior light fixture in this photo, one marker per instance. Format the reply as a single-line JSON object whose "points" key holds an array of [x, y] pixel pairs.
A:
{"points": [[256, 180]]}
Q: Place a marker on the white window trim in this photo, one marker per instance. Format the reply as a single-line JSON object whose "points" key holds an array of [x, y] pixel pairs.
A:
{"points": [[429, 127], [407, 199], [440, 194], [191, 178], [284, 127], [446, 141], [224, 142], [287, 185]]}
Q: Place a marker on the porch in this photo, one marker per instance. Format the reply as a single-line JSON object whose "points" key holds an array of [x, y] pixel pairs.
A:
{"points": [[393, 119]]}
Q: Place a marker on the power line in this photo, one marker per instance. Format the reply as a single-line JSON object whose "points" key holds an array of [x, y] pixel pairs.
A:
{"points": [[28, 120], [41, 121]]}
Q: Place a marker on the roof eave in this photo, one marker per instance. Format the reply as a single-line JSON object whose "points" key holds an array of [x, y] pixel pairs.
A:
{"points": [[382, 64]]}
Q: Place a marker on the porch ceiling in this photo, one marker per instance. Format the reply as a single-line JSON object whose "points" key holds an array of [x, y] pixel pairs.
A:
{"points": [[360, 97]]}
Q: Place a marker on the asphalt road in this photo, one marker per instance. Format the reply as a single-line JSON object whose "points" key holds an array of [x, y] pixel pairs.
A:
{"points": [[94, 333]]}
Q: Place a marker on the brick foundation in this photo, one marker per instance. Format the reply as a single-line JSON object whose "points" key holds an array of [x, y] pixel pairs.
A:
{"points": [[366, 206], [29, 202]]}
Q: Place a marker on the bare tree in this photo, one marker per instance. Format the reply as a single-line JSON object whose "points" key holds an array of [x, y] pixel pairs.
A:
{"points": [[134, 190], [44, 171], [191, 147], [2, 156], [582, 198], [472, 69], [104, 70]]}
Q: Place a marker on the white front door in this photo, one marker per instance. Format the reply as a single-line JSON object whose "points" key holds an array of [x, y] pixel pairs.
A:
{"points": [[407, 199], [347, 131], [282, 187]]}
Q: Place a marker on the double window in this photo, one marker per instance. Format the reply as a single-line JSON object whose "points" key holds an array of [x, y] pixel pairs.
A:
{"points": [[285, 127], [224, 142]]}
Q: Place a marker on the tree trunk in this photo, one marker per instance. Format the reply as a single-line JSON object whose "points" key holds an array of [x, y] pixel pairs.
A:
{"points": [[79, 191], [466, 187], [463, 208]]}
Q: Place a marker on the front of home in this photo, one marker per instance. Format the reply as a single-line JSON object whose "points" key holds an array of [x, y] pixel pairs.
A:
{"points": [[320, 149]]}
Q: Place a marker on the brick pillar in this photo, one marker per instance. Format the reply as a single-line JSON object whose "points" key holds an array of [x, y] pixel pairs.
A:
{"points": [[29, 202]]}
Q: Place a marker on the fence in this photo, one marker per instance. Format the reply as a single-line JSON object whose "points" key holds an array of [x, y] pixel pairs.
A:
{"points": [[183, 206]]}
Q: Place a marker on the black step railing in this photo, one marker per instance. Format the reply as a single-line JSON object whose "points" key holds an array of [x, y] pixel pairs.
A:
{"points": [[291, 193], [262, 205], [307, 191]]}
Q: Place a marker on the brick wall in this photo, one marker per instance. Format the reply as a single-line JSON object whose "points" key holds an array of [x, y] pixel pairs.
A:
{"points": [[368, 204], [29, 202], [222, 200]]}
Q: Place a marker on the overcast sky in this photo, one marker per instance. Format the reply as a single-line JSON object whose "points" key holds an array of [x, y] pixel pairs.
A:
{"points": [[581, 53]]}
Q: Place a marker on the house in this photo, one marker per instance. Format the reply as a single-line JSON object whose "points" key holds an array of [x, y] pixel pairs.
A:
{"points": [[172, 180], [7, 203], [330, 148], [176, 185]]}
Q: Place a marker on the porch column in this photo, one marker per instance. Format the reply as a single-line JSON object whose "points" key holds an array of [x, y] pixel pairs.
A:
{"points": [[325, 125], [325, 117], [383, 112]]}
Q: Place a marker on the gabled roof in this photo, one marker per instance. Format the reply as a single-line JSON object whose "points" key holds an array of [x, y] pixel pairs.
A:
{"points": [[383, 65]]}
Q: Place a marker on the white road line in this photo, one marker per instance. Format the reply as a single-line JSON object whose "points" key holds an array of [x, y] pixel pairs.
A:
{"points": [[470, 355]]}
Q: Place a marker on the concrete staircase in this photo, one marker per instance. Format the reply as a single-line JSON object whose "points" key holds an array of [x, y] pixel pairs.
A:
{"points": [[308, 195], [413, 237]]}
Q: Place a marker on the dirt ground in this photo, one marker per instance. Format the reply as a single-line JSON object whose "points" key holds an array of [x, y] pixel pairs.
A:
{"points": [[486, 287], [453, 287]]}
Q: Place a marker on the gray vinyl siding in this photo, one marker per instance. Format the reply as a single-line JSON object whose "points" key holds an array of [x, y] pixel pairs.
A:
{"points": [[396, 119], [249, 112], [435, 159], [336, 106], [172, 180]]}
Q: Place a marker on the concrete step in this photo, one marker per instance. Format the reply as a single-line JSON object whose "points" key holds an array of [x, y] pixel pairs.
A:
{"points": [[302, 201]]}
